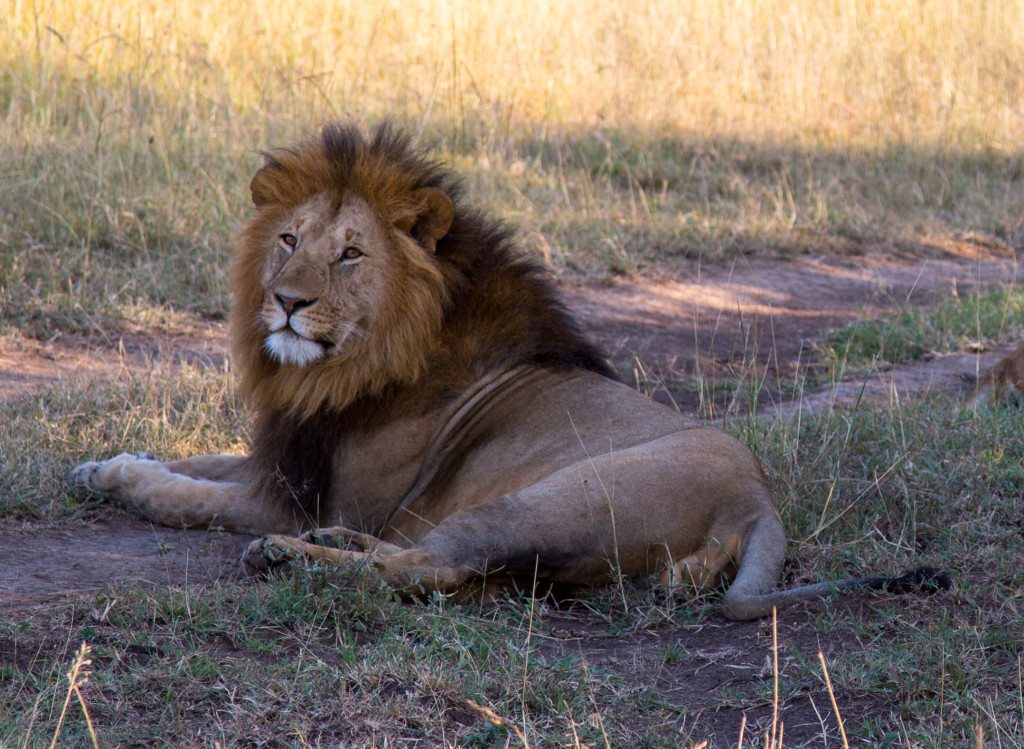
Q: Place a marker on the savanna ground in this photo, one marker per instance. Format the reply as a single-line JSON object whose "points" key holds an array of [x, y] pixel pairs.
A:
{"points": [[807, 212]]}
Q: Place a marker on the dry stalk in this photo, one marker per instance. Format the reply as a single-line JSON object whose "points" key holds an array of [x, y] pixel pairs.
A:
{"points": [[78, 676], [832, 696], [497, 720], [775, 679]]}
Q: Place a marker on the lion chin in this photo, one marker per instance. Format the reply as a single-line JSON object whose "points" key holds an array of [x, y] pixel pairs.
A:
{"points": [[290, 348]]}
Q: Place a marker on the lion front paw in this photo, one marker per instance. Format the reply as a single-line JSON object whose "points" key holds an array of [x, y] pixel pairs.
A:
{"points": [[83, 474], [104, 475], [264, 554]]}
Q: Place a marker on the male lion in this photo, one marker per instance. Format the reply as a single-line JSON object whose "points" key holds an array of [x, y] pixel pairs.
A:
{"points": [[420, 388]]}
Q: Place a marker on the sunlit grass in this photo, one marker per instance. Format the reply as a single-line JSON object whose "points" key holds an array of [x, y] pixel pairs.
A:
{"points": [[951, 325], [827, 72], [619, 138]]}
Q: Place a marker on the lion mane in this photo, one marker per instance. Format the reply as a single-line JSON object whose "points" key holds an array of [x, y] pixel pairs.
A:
{"points": [[475, 304]]}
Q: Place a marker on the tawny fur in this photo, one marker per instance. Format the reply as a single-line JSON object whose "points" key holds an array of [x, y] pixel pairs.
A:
{"points": [[427, 407], [1005, 378]]}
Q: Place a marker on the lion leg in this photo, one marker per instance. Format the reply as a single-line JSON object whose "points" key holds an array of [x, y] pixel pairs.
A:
{"points": [[211, 467], [409, 571], [179, 500], [339, 537]]}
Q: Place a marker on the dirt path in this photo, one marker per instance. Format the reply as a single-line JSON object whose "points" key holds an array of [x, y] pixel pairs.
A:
{"points": [[766, 311], [43, 563], [764, 314], [28, 365], [707, 321]]}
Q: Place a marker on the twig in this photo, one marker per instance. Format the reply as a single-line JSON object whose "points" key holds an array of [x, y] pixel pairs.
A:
{"points": [[775, 676], [832, 696]]}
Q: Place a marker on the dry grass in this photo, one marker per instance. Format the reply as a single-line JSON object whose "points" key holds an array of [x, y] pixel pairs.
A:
{"points": [[620, 138], [829, 73]]}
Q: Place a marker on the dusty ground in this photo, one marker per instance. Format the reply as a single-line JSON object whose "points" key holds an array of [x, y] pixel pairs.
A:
{"points": [[714, 658], [767, 314], [753, 311], [707, 321]]}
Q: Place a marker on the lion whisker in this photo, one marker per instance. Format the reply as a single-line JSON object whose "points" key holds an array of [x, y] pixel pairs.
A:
{"points": [[345, 329]]}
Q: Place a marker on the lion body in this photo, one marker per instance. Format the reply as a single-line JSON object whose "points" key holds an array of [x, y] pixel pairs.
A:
{"points": [[427, 407]]}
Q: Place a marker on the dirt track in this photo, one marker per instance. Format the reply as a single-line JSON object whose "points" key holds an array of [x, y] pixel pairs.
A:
{"points": [[768, 311]]}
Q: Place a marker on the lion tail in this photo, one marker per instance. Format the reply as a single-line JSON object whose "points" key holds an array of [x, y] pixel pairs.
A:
{"points": [[752, 594]]}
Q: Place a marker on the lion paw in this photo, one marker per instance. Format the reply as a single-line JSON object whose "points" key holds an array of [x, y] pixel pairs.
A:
{"points": [[104, 475], [83, 474], [264, 554]]}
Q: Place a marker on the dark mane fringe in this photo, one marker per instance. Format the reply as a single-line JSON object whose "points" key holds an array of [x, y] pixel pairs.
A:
{"points": [[293, 460], [503, 308]]}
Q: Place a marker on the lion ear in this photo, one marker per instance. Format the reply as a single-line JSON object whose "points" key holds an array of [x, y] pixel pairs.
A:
{"points": [[431, 218], [262, 185]]}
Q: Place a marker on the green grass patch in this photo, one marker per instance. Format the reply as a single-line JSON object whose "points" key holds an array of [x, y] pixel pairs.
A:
{"points": [[951, 325]]}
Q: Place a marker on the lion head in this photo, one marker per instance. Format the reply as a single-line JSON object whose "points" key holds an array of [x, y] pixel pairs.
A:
{"points": [[366, 288], [337, 289]]}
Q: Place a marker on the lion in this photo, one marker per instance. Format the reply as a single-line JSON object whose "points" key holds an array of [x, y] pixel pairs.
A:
{"points": [[427, 407], [1006, 377]]}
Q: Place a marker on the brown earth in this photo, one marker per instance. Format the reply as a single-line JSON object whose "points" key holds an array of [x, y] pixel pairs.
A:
{"points": [[698, 669], [707, 322]]}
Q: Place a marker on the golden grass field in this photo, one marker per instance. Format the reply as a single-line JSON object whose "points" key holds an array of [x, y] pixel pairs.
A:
{"points": [[835, 73], [621, 137]]}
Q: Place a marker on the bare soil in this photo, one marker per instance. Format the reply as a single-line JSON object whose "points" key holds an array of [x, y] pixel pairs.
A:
{"points": [[766, 315], [699, 669], [704, 322], [44, 563], [28, 365]]}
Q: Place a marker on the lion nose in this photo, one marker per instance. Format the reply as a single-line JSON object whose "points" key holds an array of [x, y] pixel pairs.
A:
{"points": [[291, 303]]}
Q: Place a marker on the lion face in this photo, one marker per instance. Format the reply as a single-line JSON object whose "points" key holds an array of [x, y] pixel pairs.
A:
{"points": [[324, 279], [339, 285]]}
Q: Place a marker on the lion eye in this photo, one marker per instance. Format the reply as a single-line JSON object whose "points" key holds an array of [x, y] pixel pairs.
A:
{"points": [[351, 253], [289, 239]]}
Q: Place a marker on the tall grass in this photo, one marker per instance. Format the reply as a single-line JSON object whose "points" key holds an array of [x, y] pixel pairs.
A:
{"points": [[833, 72], [620, 136]]}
